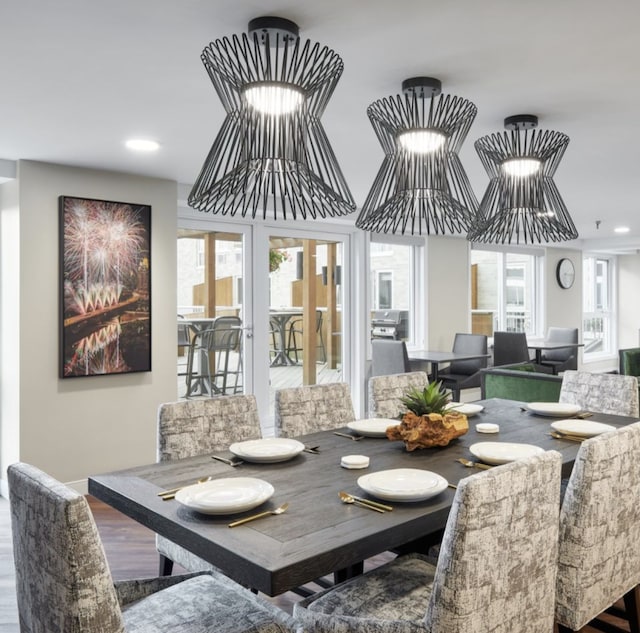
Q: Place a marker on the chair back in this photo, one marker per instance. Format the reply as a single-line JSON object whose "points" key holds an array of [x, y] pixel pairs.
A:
{"points": [[224, 335], [185, 332], [605, 393], [388, 357], [386, 392], [189, 428], [499, 554], [63, 581], [561, 335], [301, 410], [629, 361], [599, 559], [509, 348], [469, 344]]}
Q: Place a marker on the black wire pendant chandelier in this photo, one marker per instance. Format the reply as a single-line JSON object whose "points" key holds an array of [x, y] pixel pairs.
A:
{"points": [[272, 156], [421, 186], [522, 203]]}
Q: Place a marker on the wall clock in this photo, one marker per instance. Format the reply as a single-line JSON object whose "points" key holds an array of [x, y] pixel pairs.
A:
{"points": [[565, 273]]}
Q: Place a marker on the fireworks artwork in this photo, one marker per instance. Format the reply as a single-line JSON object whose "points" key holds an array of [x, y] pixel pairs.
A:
{"points": [[105, 287]]}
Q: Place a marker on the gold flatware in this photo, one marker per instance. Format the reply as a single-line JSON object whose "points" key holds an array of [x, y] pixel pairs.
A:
{"points": [[469, 464], [347, 498], [382, 506], [228, 462], [278, 510], [583, 415], [172, 491], [355, 438], [452, 486], [312, 449], [567, 436]]}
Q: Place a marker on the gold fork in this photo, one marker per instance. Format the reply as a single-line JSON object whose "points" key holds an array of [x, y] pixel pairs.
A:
{"points": [[253, 517]]}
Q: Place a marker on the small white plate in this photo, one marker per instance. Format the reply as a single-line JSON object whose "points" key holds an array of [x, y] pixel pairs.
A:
{"points": [[487, 427], [503, 452], [582, 428], [403, 484], [554, 409], [467, 408], [268, 450], [225, 496], [372, 427]]}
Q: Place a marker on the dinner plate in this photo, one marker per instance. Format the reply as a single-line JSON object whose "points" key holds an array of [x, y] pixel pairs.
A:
{"points": [[503, 452], [468, 408], [372, 427], [267, 450], [225, 496], [583, 428], [403, 484], [554, 409]]}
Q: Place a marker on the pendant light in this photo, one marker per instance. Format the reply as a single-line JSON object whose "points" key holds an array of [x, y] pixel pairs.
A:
{"points": [[271, 156], [522, 203], [421, 186]]}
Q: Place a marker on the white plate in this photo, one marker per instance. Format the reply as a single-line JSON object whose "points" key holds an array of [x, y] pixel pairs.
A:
{"points": [[554, 409], [225, 496], [468, 408], [583, 428], [503, 452], [403, 484], [267, 450], [372, 427]]}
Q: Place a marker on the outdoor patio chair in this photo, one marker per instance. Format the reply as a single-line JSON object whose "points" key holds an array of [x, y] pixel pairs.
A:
{"points": [[295, 337], [389, 357]]}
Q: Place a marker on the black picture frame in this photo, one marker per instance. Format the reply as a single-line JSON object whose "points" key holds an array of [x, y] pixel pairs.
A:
{"points": [[105, 287]]}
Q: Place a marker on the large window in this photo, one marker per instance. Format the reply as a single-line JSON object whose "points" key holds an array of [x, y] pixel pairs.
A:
{"points": [[503, 291], [597, 306]]}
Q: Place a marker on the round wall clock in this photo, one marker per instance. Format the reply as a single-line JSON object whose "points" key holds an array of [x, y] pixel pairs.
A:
{"points": [[565, 273]]}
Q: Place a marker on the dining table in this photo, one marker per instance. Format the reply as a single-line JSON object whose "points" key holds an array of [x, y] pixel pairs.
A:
{"points": [[435, 358], [318, 534], [549, 346]]}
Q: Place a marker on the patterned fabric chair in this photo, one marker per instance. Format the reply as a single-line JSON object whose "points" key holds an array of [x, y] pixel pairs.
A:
{"points": [[302, 410], [63, 581], [605, 393], [386, 392], [496, 571], [599, 559], [189, 428]]}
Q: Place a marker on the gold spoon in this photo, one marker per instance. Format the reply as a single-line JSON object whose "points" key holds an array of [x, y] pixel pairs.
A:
{"points": [[278, 510], [562, 436], [470, 464], [347, 498], [171, 493]]}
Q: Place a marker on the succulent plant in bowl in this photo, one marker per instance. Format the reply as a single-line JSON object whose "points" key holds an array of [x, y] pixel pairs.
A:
{"points": [[427, 422]]}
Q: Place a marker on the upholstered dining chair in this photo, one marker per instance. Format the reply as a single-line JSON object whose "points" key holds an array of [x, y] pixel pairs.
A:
{"points": [[510, 348], [496, 571], [301, 410], [599, 559], [605, 393], [389, 357], [386, 392], [465, 374], [189, 428], [63, 581], [561, 359]]}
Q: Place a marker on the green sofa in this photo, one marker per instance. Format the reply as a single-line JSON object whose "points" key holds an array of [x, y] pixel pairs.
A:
{"points": [[519, 382]]}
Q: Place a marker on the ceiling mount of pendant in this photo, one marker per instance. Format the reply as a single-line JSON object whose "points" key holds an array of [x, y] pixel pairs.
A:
{"points": [[423, 87], [521, 122], [274, 28]]}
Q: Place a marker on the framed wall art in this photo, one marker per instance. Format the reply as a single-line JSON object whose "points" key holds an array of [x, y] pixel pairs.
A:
{"points": [[105, 287]]}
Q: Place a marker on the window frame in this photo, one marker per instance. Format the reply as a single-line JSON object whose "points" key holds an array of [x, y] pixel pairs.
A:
{"points": [[609, 315]]}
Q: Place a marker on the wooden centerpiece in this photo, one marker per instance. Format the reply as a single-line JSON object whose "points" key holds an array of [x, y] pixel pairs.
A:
{"points": [[427, 422]]}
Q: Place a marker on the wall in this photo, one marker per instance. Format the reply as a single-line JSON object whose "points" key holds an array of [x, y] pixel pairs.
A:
{"points": [[75, 427], [628, 301]]}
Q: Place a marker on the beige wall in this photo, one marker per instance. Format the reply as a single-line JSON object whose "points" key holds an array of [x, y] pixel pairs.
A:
{"points": [[563, 306], [75, 427], [628, 301]]}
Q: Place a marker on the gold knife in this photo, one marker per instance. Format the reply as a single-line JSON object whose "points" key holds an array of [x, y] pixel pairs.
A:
{"points": [[376, 504]]}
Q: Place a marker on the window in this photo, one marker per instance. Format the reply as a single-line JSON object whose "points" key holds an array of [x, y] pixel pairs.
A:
{"points": [[503, 291], [597, 317]]}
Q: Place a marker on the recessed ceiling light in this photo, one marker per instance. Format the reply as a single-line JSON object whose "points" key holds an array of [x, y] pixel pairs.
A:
{"points": [[142, 145], [621, 229]]}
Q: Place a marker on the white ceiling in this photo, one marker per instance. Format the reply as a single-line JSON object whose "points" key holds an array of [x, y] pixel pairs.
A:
{"points": [[81, 76]]}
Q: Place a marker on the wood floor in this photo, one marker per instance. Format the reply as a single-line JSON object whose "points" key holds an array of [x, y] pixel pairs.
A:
{"points": [[130, 550]]}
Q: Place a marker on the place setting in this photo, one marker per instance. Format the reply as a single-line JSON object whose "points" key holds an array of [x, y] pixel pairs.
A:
{"points": [[492, 454], [556, 410], [577, 430]]}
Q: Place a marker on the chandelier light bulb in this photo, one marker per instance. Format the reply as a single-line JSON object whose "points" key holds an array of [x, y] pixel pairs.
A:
{"points": [[521, 167], [274, 99], [421, 141]]}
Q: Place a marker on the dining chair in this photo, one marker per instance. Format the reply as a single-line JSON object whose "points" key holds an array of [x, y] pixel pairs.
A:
{"points": [[510, 348], [189, 428], [496, 571], [605, 393], [465, 374], [560, 359], [385, 393], [302, 410], [599, 559], [295, 337], [389, 357], [63, 582], [629, 361]]}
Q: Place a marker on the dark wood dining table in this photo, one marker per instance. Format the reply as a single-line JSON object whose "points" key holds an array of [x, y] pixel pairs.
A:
{"points": [[318, 534], [435, 358]]}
